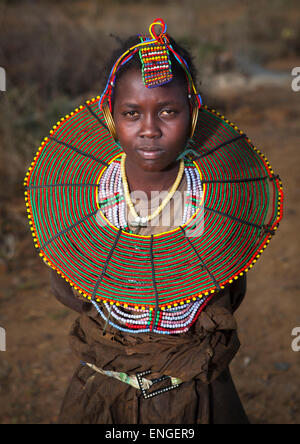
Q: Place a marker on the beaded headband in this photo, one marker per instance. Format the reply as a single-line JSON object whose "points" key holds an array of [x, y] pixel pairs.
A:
{"points": [[154, 52]]}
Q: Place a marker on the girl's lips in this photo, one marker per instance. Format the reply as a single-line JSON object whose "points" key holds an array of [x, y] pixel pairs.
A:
{"points": [[149, 153]]}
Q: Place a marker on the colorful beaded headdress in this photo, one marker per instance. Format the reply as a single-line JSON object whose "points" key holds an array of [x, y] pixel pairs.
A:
{"points": [[241, 208], [154, 52], [156, 64]]}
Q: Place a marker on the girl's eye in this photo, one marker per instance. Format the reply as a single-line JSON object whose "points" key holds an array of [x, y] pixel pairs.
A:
{"points": [[130, 113], [168, 112]]}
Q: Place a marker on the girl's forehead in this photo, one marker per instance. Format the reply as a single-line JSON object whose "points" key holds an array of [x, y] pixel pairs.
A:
{"points": [[131, 85]]}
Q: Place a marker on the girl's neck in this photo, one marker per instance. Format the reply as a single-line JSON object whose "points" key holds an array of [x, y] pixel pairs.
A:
{"points": [[147, 181]]}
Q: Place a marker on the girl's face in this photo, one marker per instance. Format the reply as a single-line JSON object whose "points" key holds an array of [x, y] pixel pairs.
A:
{"points": [[152, 124]]}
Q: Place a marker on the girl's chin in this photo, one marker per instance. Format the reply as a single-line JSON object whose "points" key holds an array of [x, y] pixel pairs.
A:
{"points": [[147, 164], [151, 166], [155, 164]]}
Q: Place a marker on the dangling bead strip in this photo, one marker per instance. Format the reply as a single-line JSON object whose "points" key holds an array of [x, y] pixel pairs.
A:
{"points": [[156, 64]]}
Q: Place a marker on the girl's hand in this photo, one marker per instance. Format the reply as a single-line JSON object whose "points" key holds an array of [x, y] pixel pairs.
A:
{"points": [[64, 294]]}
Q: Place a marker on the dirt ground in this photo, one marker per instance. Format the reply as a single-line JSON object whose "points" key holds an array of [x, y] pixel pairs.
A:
{"points": [[37, 364]]}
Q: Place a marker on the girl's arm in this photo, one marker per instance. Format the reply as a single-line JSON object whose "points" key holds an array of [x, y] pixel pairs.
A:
{"points": [[237, 292], [64, 294]]}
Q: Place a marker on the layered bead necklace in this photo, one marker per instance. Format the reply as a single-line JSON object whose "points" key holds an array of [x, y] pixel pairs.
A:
{"points": [[142, 221], [113, 197], [113, 194]]}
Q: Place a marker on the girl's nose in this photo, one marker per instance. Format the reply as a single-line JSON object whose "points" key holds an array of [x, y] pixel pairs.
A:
{"points": [[150, 127]]}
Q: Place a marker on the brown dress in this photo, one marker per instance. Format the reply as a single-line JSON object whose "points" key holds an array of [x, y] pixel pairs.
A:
{"points": [[200, 358]]}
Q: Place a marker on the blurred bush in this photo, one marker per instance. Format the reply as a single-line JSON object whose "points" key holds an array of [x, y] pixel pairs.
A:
{"points": [[51, 65], [54, 54]]}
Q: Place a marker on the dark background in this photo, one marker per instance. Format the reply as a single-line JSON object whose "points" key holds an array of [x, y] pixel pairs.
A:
{"points": [[54, 54]]}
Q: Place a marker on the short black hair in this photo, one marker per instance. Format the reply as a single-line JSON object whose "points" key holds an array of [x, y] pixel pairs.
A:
{"points": [[135, 62]]}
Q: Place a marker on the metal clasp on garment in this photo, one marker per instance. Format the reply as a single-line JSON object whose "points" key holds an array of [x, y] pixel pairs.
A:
{"points": [[147, 395]]}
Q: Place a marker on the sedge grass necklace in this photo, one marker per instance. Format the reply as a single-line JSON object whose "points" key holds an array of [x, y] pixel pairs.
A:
{"points": [[142, 221]]}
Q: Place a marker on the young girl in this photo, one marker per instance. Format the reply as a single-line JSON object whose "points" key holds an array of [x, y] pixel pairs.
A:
{"points": [[150, 352]]}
